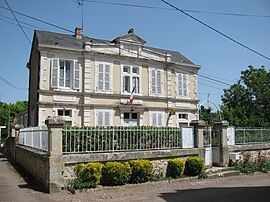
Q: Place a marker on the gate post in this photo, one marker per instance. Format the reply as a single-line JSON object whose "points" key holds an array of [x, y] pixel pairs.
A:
{"points": [[199, 127], [220, 129], [55, 125]]}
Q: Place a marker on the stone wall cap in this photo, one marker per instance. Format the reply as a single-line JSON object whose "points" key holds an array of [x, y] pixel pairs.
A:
{"points": [[223, 123], [18, 126], [198, 122], [55, 120]]}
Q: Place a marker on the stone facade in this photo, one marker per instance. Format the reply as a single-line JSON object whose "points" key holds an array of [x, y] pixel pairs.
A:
{"points": [[84, 101]]}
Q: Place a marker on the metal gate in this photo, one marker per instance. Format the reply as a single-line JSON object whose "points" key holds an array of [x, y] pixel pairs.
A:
{"points": [[207, 137]]}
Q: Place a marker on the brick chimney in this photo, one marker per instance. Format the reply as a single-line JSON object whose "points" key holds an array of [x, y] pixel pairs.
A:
{"points": [[78, 33]]}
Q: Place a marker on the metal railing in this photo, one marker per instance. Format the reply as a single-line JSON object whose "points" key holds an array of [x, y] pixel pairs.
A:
{"points": [[252, 135], [120, 139], [35, 137]]}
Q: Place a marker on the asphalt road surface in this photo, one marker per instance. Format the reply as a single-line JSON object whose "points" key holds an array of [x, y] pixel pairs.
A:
{"points": [[254, 187]]}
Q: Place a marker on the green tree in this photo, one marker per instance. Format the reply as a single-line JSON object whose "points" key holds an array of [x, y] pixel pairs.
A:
{"points": [[8, 112], [247, 102], [208, 115]]}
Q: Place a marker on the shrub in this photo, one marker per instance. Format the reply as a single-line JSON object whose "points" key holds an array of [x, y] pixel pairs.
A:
{"points": [[87, 175], [247, 166], [115, 173], [141, 171], [175, 167], [194, 166]]}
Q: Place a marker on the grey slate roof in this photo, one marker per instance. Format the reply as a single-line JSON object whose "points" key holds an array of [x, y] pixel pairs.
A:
{"points": [[69, 41]]}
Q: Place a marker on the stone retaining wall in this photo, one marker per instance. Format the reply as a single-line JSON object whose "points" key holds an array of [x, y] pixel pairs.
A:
{"points": [[34, 162], [159, 159], [254, 149]]}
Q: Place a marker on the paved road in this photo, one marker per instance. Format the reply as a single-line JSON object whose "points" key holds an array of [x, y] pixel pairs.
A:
{"points": [[240, 188]]}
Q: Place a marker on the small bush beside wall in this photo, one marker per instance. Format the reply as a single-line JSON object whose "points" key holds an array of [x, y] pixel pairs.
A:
{"points": [[194, 166], [115, 173], [141, 171], [175, 167], [87, 175]]}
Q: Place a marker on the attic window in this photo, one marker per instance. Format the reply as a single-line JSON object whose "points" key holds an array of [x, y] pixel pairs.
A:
{"points": [[56, 43], [183, 61]]}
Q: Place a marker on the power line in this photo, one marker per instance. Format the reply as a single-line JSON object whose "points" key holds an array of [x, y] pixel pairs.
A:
{"points": [[214, 29], [210, 86], [22, 22], [12, 23], [216, 80], [107, 43], [10, 84], [18, 22], [171, 9], [39, 20]]}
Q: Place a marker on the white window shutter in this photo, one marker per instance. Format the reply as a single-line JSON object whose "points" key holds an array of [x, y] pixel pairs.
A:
{"points": [[99, 118], [159, 85], [180, 84], [76, 76], [54, 73], [100, 77], [159, 119], [153, 81], [107, 78], [154, 119], [150, 81], [184, 85], [107, 118]]}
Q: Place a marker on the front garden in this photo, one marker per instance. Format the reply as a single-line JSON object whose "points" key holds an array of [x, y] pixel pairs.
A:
{"points": [[92, 174]]}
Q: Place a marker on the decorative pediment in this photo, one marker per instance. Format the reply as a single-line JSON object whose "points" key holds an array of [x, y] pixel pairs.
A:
{"points": [[131, 38]]}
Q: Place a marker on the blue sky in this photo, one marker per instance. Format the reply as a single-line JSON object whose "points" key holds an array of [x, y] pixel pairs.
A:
{"points": [[218, 57]]}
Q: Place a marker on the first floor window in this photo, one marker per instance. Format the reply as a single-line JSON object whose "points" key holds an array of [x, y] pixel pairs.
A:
{"points": [[104, 77], [131, 79], [65, 74], [182, 80], [156, 81]]}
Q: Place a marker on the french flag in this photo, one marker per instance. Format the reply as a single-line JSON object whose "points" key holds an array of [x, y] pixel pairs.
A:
{"points": [[130, 100]]}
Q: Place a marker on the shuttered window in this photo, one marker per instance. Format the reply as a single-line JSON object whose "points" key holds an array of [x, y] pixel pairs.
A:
{"points": [[157, 118], [104, 78], [103, 117], [65, 74], [156, 82], [182, 82]]}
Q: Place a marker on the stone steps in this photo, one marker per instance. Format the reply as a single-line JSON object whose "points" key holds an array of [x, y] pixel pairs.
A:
{"points": [[229, 173], [214, 170]]}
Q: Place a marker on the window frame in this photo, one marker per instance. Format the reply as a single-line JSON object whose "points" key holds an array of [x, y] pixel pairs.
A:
{"points": [[103, 111], [110, 76], [72, 75], [186, 87], [156, 93], [131, 76], [157, 113]]}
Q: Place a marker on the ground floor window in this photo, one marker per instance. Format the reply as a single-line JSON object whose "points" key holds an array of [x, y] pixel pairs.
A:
{"points": [[157, 118], [183, 119], [103, 117], [131, 118]]}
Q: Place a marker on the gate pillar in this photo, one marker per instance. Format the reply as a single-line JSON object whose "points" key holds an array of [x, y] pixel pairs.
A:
{"points": [[199, 127], [220, 129]]}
